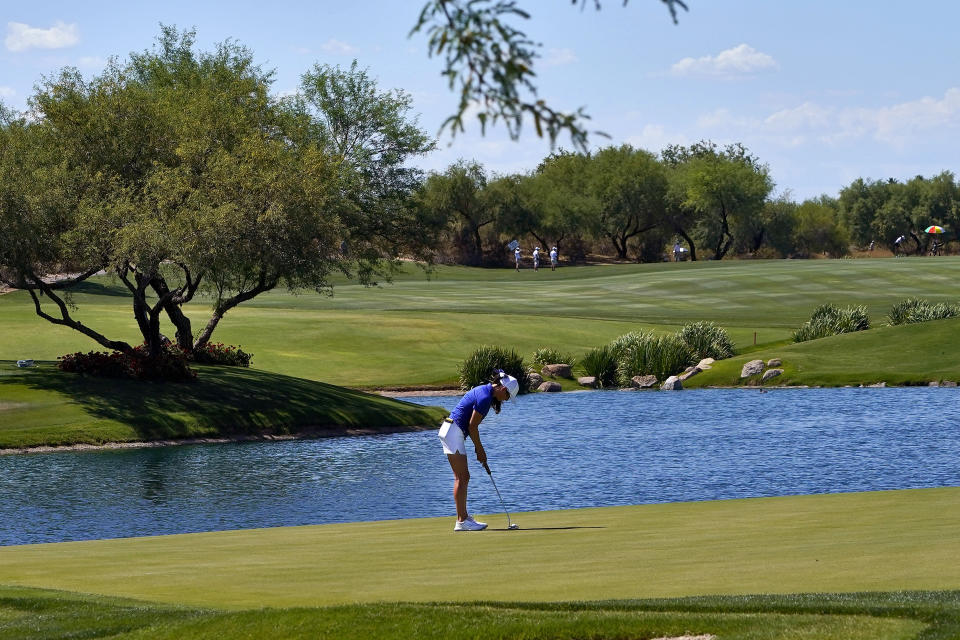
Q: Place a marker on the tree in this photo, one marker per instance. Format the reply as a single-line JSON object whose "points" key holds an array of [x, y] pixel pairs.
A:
{"points": [[859, 203], [817, 229], [491, 63], [629, 186], [778, 220], [456, 197], [566, 207], [723, 191], [181, 174]]}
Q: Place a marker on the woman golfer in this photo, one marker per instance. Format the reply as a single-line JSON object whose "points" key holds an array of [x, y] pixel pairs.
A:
{"points": [[465, 421]]}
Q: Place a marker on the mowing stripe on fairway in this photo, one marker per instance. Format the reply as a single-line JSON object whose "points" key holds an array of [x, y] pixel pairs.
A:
{"points": [[873, 541]]}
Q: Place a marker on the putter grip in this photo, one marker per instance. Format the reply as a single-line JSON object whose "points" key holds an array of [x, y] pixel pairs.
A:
{"points": [[487, 468]]}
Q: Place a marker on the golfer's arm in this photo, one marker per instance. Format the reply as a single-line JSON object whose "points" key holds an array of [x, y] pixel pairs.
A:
{"points": [[474, 429]]}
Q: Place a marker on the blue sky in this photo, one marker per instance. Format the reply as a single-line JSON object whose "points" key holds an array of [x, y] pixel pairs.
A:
{"points": [[822, 91]]}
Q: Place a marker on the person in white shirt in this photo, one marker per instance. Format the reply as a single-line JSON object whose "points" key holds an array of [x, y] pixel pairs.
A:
{"points": [[553, 259]]}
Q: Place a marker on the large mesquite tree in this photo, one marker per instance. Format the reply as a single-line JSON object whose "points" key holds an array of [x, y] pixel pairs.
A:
{"points": [[716, 195], [180, 173]]}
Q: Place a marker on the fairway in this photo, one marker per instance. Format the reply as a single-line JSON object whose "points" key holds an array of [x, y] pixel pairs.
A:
{"points": [[877, 541], [415, 331]]}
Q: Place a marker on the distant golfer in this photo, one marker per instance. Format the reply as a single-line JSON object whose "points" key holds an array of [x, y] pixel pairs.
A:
{"points": [[465, 421], [536, 258], [516, 257], [553, 259]]}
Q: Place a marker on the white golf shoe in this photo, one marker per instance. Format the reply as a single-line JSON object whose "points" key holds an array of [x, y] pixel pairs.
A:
{"points": [[470, 525]]}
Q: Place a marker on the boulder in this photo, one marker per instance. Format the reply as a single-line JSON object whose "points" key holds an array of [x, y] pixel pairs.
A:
{"points": [[774, 362], [948, 383], [705, 364], [878, 385], [672, 383], [588, 381], [752, 368], [549, 386], [643, 382], [935, 383], [556, 371], [688, 373], [770, 373], [534, 380]]}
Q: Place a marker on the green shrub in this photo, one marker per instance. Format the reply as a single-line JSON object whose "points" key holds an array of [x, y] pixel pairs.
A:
{"points": [[661, 356], [602, 364], [914, 310], [169, 366], [219, 353], [707, 340], [552, 356], [479, 366], [831, 320]]}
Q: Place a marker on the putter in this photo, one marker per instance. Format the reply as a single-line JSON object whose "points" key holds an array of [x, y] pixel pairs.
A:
{"points": [[510, 525]]}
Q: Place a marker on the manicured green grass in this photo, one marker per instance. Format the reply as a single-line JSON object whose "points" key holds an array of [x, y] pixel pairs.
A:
{"points": [[875, 541], [29, 613], [44, 406], [416, 331], [613, 566], [913, 354]]}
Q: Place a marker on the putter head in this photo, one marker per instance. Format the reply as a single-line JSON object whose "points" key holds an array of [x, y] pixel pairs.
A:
{"points": [[514, 526]]}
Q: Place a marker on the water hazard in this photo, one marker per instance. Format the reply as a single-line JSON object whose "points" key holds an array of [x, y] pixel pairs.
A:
{"points": [[548, 451]]}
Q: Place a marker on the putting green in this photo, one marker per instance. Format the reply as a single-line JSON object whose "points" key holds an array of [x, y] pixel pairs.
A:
{"points": [[875, 541]]}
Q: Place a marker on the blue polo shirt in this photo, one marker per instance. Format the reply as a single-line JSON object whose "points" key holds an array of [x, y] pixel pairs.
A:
{"points": [[477, 399]]}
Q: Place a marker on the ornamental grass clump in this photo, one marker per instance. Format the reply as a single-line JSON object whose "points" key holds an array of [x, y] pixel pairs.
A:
{"points": [[601, 363], [628, 341], [660, 356], [831, 320], [547, 355], [914, 310], [480, 366], [707, 340]]}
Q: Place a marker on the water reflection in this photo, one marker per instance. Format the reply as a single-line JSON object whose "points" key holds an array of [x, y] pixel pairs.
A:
{"points": [[549, 451]]}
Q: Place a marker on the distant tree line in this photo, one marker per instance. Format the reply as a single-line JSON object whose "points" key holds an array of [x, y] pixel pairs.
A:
{"points": [[631, 204]]}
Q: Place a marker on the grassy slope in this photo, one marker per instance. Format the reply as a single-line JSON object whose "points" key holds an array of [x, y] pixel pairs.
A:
{"points": [[878, 541], [904, 355], [416, 331], [42, 406]]}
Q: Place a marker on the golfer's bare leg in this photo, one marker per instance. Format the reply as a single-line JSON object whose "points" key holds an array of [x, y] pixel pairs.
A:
{"points": [[461, 474]]}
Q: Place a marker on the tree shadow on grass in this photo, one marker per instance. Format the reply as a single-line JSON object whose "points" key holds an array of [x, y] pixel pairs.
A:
{"points": [[225, 402]]}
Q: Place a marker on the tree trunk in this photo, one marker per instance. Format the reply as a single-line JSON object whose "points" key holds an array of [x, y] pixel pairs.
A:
{"points": [[693, 247], [264, 284], [184, 334]]}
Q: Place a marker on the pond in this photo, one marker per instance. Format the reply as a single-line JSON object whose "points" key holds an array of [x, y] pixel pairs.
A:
{"points": [[547, 451]]}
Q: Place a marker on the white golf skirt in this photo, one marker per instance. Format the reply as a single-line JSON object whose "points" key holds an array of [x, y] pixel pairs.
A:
{"points": [[452, 438]]}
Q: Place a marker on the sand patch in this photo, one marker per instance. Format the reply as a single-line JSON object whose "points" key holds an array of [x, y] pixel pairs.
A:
{"points": [[7, 406]]}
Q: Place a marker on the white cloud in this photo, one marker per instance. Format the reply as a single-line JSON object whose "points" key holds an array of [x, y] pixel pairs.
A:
{"points": [[654, 137], [559, 57], [7, 92], [922, 123], [337, 47], [740, 60], [897, 125], [21, 37]]}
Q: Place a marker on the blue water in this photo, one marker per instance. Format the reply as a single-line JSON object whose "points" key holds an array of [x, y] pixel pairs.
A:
{"points": [[547, 451]]}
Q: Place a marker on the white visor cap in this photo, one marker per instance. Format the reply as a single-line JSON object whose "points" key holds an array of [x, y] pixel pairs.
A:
{"points": [[511, 384]]}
